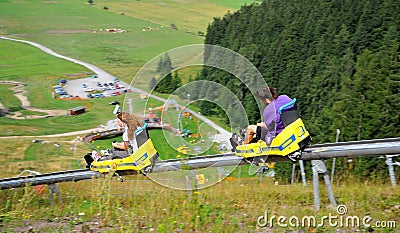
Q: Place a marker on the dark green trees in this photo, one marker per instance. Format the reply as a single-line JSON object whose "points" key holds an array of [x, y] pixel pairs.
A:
{"points": [[340, 59], [169, 81]]}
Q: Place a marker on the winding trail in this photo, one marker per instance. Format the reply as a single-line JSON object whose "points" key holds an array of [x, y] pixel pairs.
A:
{"points": [[223, 135], [19, 92]]}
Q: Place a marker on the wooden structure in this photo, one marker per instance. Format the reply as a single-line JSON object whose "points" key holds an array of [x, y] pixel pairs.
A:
{"points": [[77, 110]]}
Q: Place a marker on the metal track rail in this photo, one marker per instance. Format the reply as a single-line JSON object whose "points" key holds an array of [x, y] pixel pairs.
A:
{"points": [[48, 178], [365, 148], [219, 160], [354, 149]]}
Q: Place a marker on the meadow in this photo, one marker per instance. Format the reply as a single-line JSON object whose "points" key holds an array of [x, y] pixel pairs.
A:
{"points": [[139, 205], [72, 28], [76, 29]]}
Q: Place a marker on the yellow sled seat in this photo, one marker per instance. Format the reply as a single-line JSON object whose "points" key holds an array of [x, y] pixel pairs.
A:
{"points": [[293, 137], [290, 142], [137, 161]]}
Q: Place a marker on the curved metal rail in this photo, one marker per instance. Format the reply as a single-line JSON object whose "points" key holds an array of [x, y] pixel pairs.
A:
{"points": [[364, 148], [48, 178], [378, 147]]}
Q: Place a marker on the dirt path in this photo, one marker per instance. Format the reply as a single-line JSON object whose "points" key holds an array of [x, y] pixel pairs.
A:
{"points": [[223, 135], [19, 92]]}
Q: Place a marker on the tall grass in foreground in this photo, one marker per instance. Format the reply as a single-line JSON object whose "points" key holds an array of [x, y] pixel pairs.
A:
{"points": [[139, 205]]}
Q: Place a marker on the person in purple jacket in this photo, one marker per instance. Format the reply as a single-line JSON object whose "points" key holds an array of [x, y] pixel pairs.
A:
{"points": [[272, 124]]}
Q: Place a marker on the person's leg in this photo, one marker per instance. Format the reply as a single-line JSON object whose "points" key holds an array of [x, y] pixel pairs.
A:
{"points": [[251, 131], [248, 137]]}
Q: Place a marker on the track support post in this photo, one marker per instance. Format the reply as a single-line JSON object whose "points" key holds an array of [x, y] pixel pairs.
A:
{"points": [[192, 184], [303, 173], [318, 167], [391, 164], [53, 189]]}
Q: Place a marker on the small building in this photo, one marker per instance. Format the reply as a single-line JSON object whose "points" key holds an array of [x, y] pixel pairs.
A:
{"points": [[77, 110]]}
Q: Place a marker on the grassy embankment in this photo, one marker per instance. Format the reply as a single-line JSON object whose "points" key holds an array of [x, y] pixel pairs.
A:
{"points": [[138, 205]]}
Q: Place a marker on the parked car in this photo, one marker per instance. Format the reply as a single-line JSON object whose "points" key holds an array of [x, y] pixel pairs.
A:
{"points": [[98, 95], [63, 81], [114, 103], [61, 92], [89, 89], [84, 85]]}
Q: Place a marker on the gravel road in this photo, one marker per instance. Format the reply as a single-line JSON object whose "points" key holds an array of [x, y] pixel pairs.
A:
{"points": [[75, 87]]}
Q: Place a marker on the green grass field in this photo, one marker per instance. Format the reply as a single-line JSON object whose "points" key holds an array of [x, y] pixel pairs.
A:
{"points": [[139, 205], [68, 28], [8, 99], [192, 16]]}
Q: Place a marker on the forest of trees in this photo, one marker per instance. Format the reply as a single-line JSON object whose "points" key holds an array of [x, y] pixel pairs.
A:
{"points": [[169, 82], [339, 58]]}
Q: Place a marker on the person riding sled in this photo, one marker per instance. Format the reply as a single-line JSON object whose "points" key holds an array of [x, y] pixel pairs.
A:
{"points": [[272, 124], [129, 123]]}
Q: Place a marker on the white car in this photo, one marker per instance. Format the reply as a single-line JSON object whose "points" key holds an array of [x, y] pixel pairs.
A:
{"points": [[89, 89]]}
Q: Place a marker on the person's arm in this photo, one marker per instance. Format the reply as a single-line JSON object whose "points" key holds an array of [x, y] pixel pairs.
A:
{"points": [[120, 145], [262, 124], [124, 145]]}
